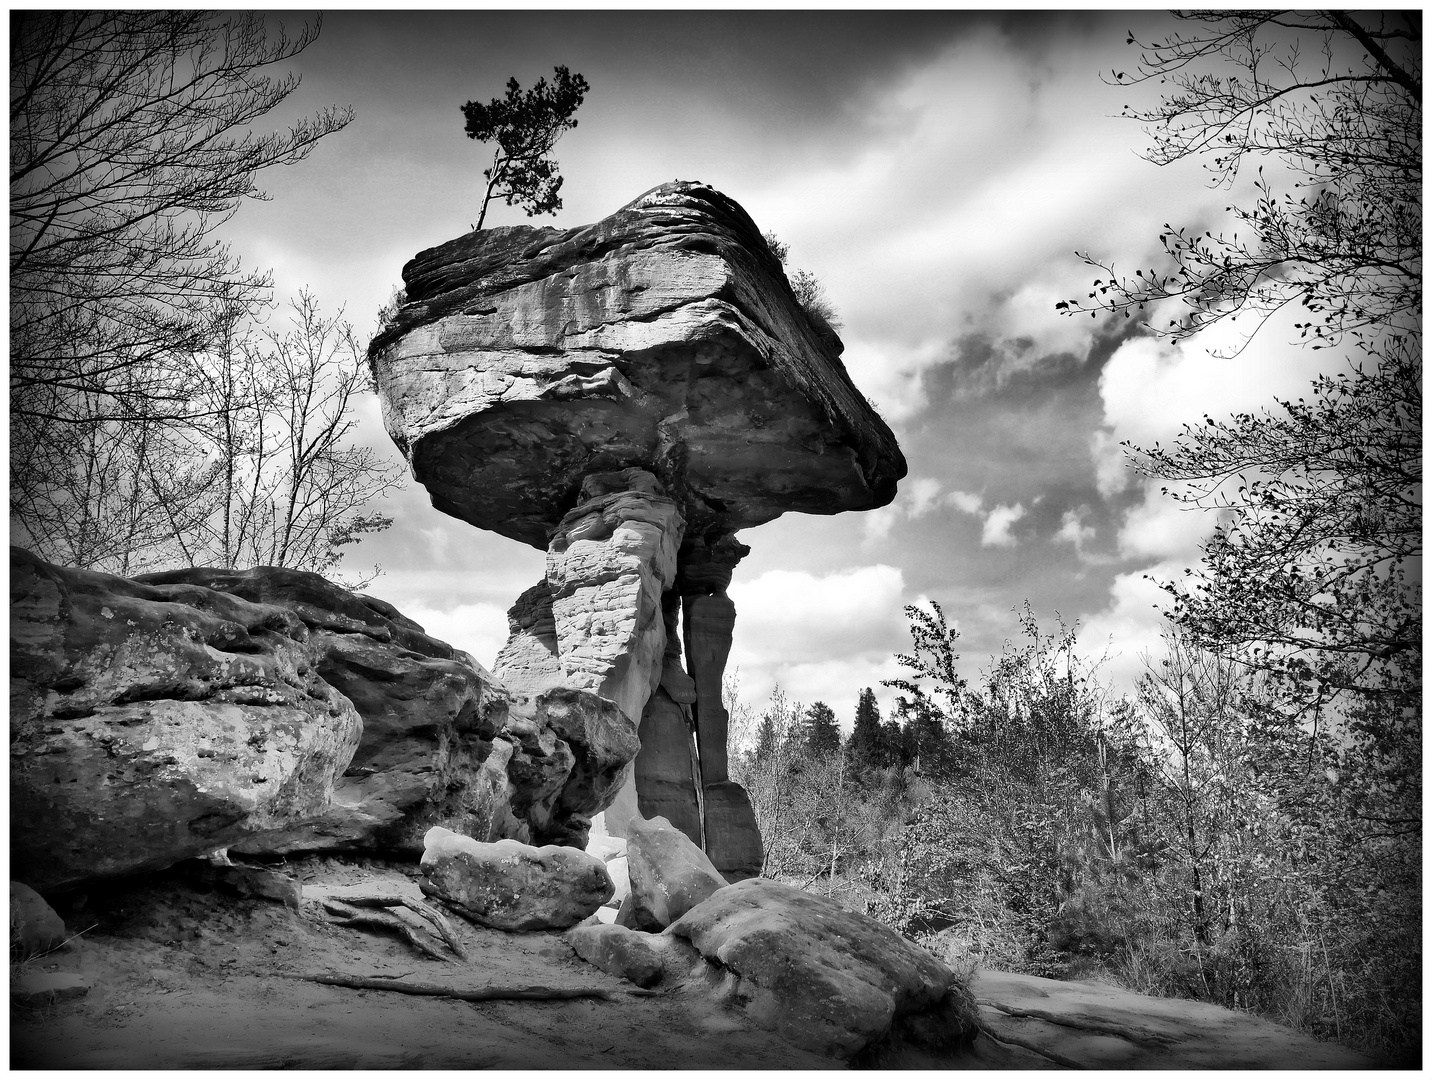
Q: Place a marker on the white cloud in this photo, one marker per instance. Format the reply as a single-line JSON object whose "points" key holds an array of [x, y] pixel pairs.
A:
{"points": [[998, 524], [917, 497], [1073, 530], [1130, 626], [480, 629], [964, 501], [820, 636], [1160, 528]]}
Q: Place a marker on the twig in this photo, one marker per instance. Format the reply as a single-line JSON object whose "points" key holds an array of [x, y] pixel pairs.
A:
{"points": [[481, 993]]}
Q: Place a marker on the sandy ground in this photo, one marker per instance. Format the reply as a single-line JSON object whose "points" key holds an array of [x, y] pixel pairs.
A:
{"points": [[190, 977], [185, 974]]}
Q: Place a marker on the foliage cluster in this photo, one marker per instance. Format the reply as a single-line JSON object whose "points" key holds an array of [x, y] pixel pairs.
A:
{"points": [[1196, 839], [525, 127]]}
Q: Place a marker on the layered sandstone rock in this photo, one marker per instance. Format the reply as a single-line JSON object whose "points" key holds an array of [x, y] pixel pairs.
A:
{"points": [[822, 977], [664, 337], [271, 711], [627, 396], [669, 875], [512, 886], [153, 723]]}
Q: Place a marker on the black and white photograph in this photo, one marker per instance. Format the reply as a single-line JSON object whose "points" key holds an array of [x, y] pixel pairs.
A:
{"points": [[665, 539]]}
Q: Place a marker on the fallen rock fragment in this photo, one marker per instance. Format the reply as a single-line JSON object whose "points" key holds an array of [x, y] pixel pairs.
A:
{"points": [[669, 874], [823, 978], [35, 988], [511, 886], [1087, 1025], [617, 950], [35, 928]]}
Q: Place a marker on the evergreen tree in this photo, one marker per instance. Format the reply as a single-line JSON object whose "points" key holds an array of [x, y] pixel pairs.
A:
{"points": [[822, 733], [890, 750], [766, 739], [924, 740], [862, 751]]}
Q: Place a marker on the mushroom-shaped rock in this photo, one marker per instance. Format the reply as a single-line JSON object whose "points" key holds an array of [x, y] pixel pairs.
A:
{"points": [[628, 395], [664, 337]]}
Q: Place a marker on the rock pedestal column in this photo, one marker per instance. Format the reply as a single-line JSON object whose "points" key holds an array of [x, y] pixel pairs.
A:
{"points": [[608, 565], [732, 839]]}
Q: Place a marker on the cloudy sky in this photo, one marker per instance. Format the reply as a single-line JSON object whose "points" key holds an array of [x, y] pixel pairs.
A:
{"points": [[937, 171]]}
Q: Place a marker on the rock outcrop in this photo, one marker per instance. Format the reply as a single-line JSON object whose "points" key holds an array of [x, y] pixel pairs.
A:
{"points": [[151, 723], [823, 978], [270, 711], [513, 886], [627, 396]]}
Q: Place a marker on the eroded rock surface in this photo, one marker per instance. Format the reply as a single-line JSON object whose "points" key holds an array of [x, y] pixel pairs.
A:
{"points": [[1085, 1025], [627, 395], [669, 875], [154, 722], [664, 337], [824, 978], [512, 886], [271, 712]]}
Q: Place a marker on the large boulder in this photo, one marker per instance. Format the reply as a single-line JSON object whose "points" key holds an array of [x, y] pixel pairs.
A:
{"points": [[513, 886], [822, 977], [441, 742], [271, 711], [35, 928], [669, 874], [664, 337], [617, 950], [150, 723]]}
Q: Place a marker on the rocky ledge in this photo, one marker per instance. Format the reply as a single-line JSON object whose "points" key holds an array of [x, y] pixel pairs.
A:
{"points": [[270, 711]]}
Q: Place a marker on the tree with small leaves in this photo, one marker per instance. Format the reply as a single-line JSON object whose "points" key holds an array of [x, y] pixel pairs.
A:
{"points": [[525, 127], [932, 663], [1313, 572]]}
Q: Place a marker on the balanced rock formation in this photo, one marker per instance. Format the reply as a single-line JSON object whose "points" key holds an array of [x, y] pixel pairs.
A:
{"points": [[627, 396], [271, 711], [512, 886]]}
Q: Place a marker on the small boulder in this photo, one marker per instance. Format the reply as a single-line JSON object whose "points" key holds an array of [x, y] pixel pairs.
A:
{"points": [[669, 874], [511, 886], [34, 926], [824, 978], [627, 954], [35, 988]]}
